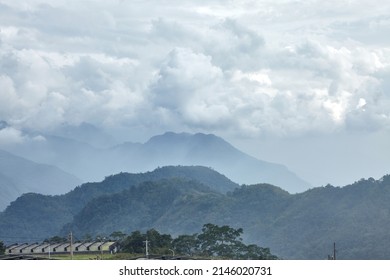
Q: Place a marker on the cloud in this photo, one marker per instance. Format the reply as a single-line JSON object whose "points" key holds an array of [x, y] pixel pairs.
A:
{"points": [[191, 89], [183, 77], [261, 68], [8, 97], [31, 89], [10, 135], [294, 79]]}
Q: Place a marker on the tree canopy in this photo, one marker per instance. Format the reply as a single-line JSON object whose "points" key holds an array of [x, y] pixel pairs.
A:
{"points": [[2, 248], [213, 242]]}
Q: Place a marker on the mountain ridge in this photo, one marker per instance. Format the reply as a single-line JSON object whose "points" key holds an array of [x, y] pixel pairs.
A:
{"points": [[210, 150], [19, 175], [60, 209], [294, 226], [90, 164]]}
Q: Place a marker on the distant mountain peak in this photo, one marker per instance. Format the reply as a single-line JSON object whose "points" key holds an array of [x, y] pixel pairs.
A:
{"points": [[90, 162], [184, 148], [185, 137], [85, 132], [169, 136]]}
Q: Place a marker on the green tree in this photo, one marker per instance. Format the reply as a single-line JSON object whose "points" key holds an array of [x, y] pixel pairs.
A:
{"points": [[219, 240], [159, 243], [255, 252], [185, 244], [2, 248], [226, 242], [134, 243]]}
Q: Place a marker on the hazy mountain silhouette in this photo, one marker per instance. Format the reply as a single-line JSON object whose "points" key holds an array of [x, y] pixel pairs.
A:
{"points": [[91, 164], [86, 133], [209, 150], [19, 175]]}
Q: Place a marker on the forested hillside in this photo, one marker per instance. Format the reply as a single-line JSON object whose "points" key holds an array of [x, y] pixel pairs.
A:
{"points": [[172, 200], [35, 217], [91, 164]]}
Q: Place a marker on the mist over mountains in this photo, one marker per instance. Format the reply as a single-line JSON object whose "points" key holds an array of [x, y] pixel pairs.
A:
{"points": [[91, 154], [19, 175], [196, 179], [208, 150]]}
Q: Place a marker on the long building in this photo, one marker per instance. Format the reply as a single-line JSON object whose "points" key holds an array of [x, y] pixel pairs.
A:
{"points": [[62, 248]]}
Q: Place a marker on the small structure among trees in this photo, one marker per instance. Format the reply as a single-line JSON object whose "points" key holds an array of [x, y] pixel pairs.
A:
{"points": [[221, 242]]}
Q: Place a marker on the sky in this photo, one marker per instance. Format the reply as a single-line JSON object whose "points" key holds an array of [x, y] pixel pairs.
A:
{"points": [[302, 83]]}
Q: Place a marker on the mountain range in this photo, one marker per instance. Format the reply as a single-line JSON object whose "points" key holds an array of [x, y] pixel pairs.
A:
{"points": [[180, 199], [34, 216], [208, 150], [90, 154]]}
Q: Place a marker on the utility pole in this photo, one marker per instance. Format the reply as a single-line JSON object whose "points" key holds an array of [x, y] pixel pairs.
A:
{"points": [[147, 248], [71, 245], [333, 256], [102, 240]]}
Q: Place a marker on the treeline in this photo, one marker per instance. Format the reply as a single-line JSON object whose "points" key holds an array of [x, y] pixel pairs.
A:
{"points": [[222, 242], [294, 226], [2, 248], [214, 241]]}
